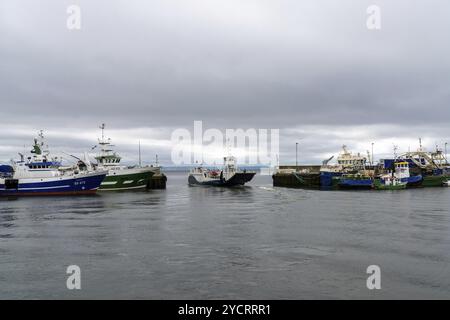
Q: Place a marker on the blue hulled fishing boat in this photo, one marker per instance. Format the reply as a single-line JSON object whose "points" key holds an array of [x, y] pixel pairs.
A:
{"points": [[340, 174], [41, 174]]}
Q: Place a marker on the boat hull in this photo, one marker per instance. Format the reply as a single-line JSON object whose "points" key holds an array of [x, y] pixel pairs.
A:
{"points": [[71, 185], [397, 187], [435, 181], [329, 179], [355, 183], [127, 179], [378, 185], [238, 179], [413, 181]]}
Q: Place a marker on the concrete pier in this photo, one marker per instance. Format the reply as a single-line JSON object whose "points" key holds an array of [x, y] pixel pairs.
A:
{"points": [[303, 176]]}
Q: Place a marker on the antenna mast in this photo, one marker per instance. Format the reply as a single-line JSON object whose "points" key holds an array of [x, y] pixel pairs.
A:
{"points": [[103, 131], [395, 152], [140, 163]]}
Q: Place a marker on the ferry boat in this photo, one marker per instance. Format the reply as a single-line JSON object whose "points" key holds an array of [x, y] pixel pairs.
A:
{"points": [[227, 177], [120, 177], [40, 175]]}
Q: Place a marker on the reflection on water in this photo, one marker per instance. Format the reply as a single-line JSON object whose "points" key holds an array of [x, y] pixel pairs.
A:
{"points": [[205, 242]]}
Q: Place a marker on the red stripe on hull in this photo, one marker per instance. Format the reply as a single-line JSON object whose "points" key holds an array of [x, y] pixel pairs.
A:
{"points": [[35, 194]]}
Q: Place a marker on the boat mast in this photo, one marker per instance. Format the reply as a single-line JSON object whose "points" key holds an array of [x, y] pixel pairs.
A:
{"points": [[102, 142], [140, 163], [445, 156], [372, 161], [103, 131], [395, 159]]}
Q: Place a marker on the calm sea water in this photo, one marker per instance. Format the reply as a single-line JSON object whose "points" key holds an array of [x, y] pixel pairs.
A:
{"points": [[255, 242]]}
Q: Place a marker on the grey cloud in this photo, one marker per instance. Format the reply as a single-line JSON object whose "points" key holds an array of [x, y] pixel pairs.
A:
{"points": [[263, 64]]}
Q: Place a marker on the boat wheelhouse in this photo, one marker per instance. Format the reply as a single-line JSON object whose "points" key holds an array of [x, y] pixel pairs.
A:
{"points": [[348, 160]]}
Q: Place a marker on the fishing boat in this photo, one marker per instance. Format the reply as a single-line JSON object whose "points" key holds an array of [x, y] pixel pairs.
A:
{"points": [[347, 162], [40, 175], [402, 173], [120, 177], [436, 178], [432, 166], [389, 183], [227, 177]]}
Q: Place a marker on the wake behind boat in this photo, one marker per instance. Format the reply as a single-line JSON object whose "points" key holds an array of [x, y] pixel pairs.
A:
{"points": [[227, 177], [40, 175]]}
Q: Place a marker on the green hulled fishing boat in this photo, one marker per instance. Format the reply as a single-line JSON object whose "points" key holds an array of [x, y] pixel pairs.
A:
{"points": [[433, 166], [435, 180], [120, 177], [392, 183]]}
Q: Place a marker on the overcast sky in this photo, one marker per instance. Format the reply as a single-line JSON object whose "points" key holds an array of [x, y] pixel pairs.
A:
{"points": [[309, 68]]}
